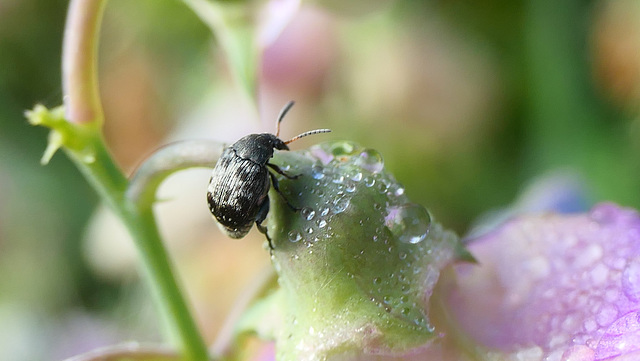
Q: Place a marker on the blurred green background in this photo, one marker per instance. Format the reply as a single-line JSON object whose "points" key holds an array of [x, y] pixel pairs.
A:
{"points": [[467, 101]]}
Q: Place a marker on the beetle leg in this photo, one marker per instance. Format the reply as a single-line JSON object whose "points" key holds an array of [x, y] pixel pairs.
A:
{"points": [[274, 181], [262, 214], [280, 171]]}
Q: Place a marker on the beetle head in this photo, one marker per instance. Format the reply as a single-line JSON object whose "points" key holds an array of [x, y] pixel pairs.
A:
{"points": [[258, 147]]}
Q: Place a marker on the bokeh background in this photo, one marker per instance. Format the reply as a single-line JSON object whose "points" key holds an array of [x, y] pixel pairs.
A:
{"points": [[469, 102]]}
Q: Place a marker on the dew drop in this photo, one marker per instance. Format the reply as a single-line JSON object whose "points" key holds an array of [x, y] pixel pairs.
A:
{"points": [[317, 172], [341, 204], [371, 160], [369, 181], [343, 148], [324, 211], [410, 222], [356, 177], [294, 236], [350, 187], [631, 280], [321, 223], [383, 186], [308, 213]]}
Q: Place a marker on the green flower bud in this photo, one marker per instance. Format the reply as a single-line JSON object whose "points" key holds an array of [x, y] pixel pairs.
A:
{"points": [[358, 262]]}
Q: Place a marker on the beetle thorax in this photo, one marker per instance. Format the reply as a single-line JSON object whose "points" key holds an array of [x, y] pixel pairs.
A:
{"points": [[258, 147]]}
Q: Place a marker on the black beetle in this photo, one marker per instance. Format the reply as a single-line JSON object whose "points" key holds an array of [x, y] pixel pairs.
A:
{"points": [[239, 186]]}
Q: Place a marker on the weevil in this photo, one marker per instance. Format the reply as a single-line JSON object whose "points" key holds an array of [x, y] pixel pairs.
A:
{"points": [[238, 189]]}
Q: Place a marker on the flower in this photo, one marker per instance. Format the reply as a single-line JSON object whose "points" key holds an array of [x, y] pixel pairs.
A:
{"points": [[554, 287]]}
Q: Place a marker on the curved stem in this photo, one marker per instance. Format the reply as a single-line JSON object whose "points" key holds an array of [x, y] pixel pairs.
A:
{"points": [[167, 160], [128, 351], [79, 61]]}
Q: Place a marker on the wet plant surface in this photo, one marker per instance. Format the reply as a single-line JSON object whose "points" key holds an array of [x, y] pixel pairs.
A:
{"points": [[357, 263]]}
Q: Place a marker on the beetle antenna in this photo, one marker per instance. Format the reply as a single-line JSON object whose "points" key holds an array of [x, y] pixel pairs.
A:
{"points": [[311, 132], [283, 112]]}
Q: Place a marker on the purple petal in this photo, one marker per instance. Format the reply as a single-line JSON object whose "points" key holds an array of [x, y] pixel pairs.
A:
{"points": [[566, 285]]}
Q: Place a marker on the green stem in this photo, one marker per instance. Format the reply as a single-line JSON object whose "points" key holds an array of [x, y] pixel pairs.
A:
{"points": [[79, 61], [110, 183], [233, 23], [83, 143]]}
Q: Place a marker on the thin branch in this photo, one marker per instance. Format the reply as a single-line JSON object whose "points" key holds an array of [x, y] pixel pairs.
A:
{"points": [[128, 351], [166, 161], [79, 62]]}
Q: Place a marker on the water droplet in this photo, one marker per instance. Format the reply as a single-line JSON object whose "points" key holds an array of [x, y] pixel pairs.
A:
{"points": [[410, 222], [307, 213], [317, 172], [356, 177], [606, 315], [631, 280], [339, 179], [383, 186], [321, 223], [343, 148], [370, 160], [309, 230], [350, 187], [340, 204], [377, 281], [369, 181], [294, 236], [324, 211]]}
